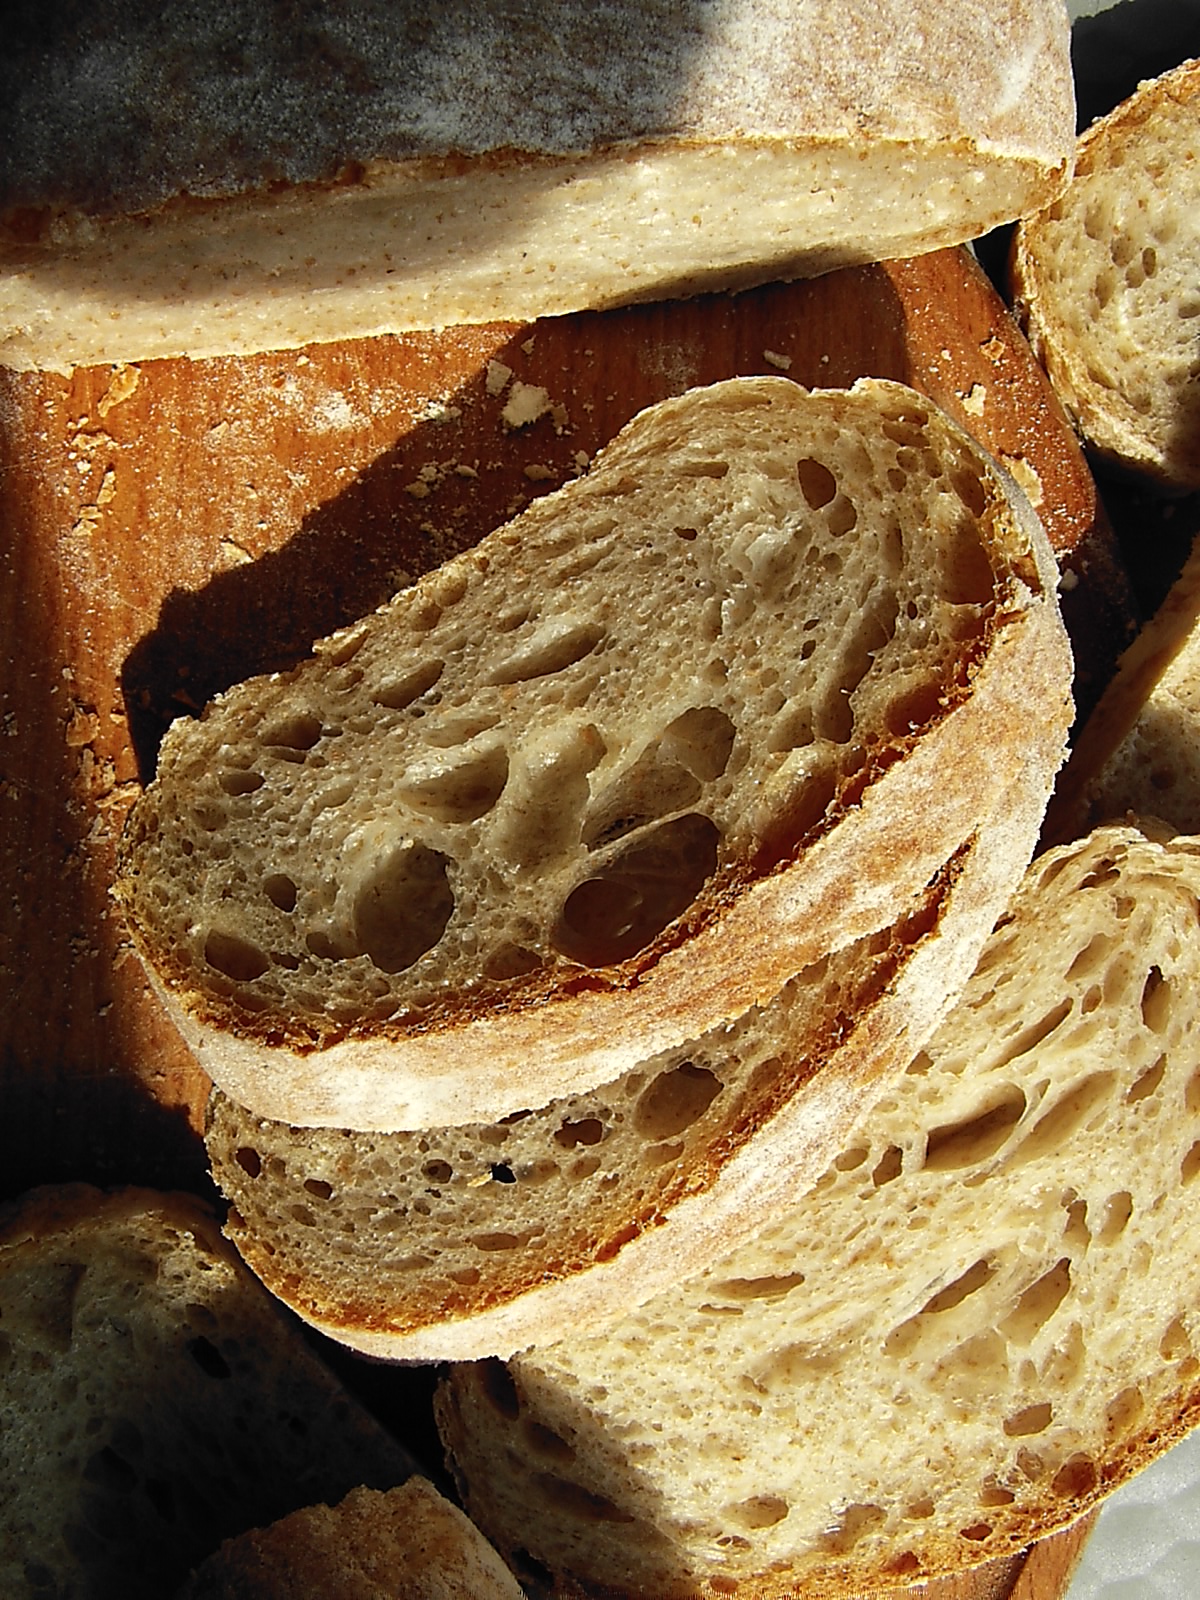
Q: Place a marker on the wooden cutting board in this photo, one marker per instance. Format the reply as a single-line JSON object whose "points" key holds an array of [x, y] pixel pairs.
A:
{"points": [[167, 529]]}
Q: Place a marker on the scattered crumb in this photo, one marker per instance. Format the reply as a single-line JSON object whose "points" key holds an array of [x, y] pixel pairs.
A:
{"points": [[124, 381], [1068, 580], [526, 403], [497, 376], [774, 358], [582, 460], [438, 412], [538, 472], [974, 400], [462, 470], [529, 344], [1027, 477]]}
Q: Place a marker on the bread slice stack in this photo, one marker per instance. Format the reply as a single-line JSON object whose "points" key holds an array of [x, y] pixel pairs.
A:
{"points": [[156, 1399], [978, 1321], [391, 169], [694, 790], [1106, 275]]}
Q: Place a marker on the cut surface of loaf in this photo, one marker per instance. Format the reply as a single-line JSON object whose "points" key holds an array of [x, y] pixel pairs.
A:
{"points": [[609, 778], [458, 1243], [503, 161], [980, 1319], [1106, 277], [407, 1543], [156, 1401], [1139, 750]]}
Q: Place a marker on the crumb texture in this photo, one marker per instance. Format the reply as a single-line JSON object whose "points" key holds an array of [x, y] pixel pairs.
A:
{"points": [[1108, 277], [980, 1320], [564, 751], [155, 1401]]}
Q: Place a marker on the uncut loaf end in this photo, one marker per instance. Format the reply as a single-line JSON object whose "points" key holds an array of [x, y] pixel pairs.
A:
{"points": [[609, 779]]}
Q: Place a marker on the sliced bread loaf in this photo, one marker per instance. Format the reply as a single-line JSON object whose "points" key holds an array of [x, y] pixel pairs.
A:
{"points": [[407, 1543], [155, 1399], [981, 1318], [1106, 281], [494, 162], [462, 1242], [1139, 750], [609, 779]]}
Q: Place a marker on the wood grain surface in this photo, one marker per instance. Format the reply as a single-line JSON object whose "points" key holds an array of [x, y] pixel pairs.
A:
{"points": [[169, 528]]}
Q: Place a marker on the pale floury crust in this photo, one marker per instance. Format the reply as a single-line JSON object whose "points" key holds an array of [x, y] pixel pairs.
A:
{"points": [[487, 168]]}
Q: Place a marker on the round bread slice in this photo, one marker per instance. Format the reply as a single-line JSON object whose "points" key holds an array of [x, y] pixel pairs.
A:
{"points": [[1106, 281], [980, 1319], [612, 777], [156, 1399]]}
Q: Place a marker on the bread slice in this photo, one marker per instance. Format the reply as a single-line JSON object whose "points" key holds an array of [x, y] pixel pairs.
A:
{"points": [[505, 162], [1139, 750], [610, 778], [156, 1400], [407, 1543], [981, 1319], [1105, 278], [458, 1243]]}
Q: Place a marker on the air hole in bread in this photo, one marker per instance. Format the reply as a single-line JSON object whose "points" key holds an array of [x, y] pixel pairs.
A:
{"points": [[700, 739], [650, 789], [237, 781], [977, 1532], [674, 1101], [457, 788], [249, 1160], [968, 1283], [1031, 1419], [612, 915], [995, 1494], [401, 911], [963, 1144], [589, 1130], [1157, 997], [855, 1522], [1038, 1303], [110, 1472], [296, 733], [400, 693], [498, 1388], [1175, 1343], [235, 957], [889, 1166], [772, 1287], [760, 1511], [1076, 1478], [548, 1443], [1066, 1116], [1125, 1410], [496, 1241], [1146, 1084], [817, 483], [579, 1502], [553, 648], [1117, 1212], [208, 1358], [698, 468], [1190, 1165], [280, 891]]}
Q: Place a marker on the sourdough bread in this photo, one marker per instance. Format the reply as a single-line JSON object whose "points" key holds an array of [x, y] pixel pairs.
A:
{"points": [[407, 1543], [156, 1400], [1139, 750], [609, 779], [498, 162], [981, 1319], [1105, 280], [458, 1243]]}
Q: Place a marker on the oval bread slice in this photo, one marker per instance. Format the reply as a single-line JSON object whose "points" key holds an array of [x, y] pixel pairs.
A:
{"points": [[980, 1319], [1106, 277], [610, 778]]}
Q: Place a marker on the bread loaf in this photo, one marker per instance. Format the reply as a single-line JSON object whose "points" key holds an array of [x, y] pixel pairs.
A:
{"points": [[499, 163], [156, 1401], [1105, 279], [612, 777], [408, 1543], [981, 1319]]}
